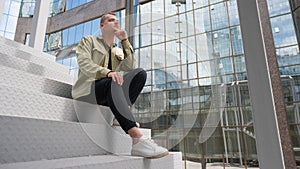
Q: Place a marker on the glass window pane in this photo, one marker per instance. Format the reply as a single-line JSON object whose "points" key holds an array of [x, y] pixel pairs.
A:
{"points": [[202, 20], [188, 50], [9, 35], [3, 22], [75, 3], [6, 7], [157, 31], [157, 10], [283, 31], [145, 55], [225, 66], [200, 3], [11, 24], [189, 71], [87, 28], [146, 13], [206, 69], [79, 33], [172, 53], [145, 34], [219, 16], [170, 8], [186, 24], [173, 74], [233, 12], [69, 4], [65, 34], [158, 56], [14, 8], [296, 14], [288, 56], [214, 1], [239, 63], [96, 27], [237, 42], [277, 7], [71, 36], [221, 42], [171, 25], [159, 79], [291, 70], [204, 46]]}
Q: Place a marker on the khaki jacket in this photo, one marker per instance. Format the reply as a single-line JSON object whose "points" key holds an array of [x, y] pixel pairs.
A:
{"points": [[92, 56]]}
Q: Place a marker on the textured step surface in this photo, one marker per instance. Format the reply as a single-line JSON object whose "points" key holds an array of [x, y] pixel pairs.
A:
{"points": [[25, 48], [26, 66], [34, 58], [26, 139], [29, 103], [172, 161], [23, 80]]}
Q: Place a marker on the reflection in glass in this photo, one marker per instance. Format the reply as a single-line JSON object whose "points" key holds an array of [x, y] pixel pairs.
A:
{"points": [[188, 51], [221, 42], [219, 18], [288, 56], [277, 7], [233, 12], [283, 31], [158, 56], [204, 47], [202, 20], [236, 40]]}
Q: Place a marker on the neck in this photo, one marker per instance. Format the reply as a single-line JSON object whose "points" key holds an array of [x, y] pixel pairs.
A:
{"points": [[109, 39]]}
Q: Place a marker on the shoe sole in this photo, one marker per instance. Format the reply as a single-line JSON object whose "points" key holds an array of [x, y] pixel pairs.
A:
{"points": [[159, 155], [155, 156]]}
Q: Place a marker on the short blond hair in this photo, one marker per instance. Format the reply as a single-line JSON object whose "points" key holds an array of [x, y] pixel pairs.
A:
{"points": [[104, 16]]}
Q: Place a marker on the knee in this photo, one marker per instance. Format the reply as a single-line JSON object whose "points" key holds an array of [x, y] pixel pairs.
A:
{"points": [[142, 73]]}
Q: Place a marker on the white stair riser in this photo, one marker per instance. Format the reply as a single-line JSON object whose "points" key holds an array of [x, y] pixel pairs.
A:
{"points": [[172, 161], [26, 139], [33, 104]]}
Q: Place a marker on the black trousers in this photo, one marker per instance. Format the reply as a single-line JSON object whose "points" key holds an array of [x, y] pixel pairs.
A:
{"points": [[106, 92]]}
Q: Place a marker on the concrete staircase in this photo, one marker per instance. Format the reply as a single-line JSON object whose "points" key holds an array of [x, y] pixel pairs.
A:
{"points": [[42, 127]]}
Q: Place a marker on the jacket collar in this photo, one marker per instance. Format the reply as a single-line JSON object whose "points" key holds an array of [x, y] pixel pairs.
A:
{"points": [[100, 38]]}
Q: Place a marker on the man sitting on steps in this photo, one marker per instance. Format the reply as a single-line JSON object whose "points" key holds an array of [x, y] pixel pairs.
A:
{"points": [[100, 81]]}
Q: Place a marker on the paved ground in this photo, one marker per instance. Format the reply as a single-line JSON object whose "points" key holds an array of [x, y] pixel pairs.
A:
{"points": [[194, 165]]}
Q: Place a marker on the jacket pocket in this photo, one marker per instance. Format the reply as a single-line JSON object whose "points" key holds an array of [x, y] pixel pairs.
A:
{"points": [[98, 56]]}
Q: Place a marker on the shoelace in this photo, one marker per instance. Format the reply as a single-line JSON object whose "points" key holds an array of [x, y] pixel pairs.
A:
{"points": [[150, 142]]}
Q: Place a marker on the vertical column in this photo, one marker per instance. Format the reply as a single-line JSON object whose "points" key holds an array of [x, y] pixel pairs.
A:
{"points": [[129, 20], [2, 3], [274, 146], [39, 24]]}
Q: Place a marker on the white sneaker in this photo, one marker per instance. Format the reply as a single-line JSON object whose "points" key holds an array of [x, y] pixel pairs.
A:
{"points": [[148, 149]]}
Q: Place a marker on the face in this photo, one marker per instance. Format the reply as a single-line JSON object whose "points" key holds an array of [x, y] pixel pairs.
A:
{"points": [[111, 24]]}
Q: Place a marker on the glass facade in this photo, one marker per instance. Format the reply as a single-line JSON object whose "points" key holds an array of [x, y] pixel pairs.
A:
{"points": [[9, 18], [193, 53]]}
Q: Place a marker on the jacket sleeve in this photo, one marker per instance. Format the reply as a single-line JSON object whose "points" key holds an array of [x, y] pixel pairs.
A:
{"points": [[129, 61], [85, 62]]}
